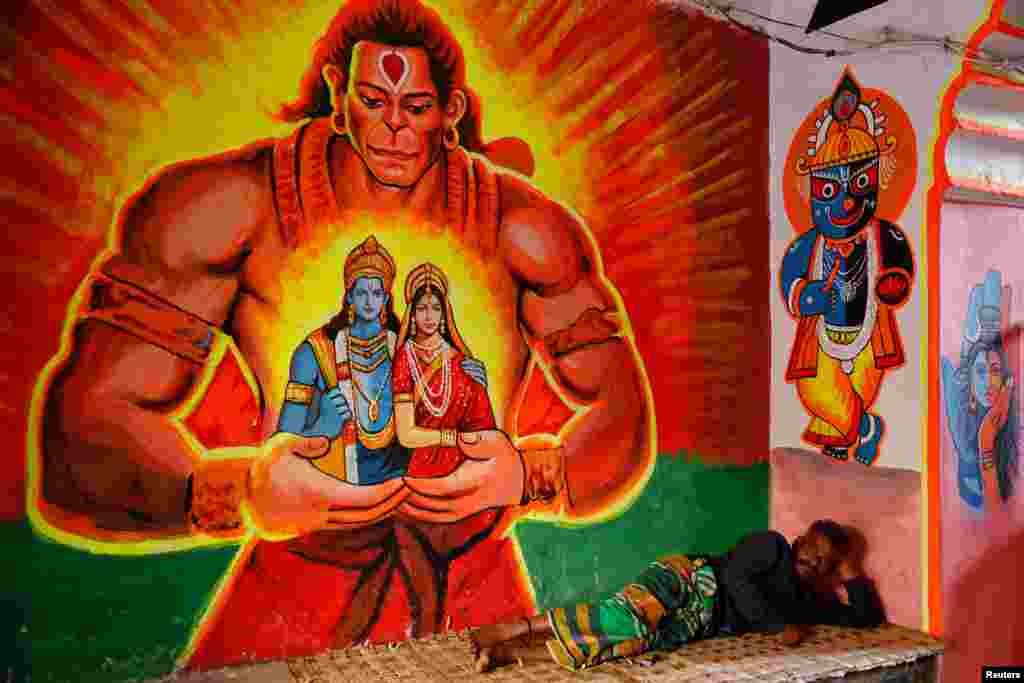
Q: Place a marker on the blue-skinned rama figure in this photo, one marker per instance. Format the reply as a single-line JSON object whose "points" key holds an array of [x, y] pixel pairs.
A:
{"points": [[346, 364], [842, 279], [981, 401]]}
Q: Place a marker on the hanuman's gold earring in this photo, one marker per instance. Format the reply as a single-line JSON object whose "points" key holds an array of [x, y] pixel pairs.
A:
{"points": [[412, 328], [338, 123]]}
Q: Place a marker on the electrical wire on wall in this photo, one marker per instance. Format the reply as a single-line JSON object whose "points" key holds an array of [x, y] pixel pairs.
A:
{"points": [[890, 40]]}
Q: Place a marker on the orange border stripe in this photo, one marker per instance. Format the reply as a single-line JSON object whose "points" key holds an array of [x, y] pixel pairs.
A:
{"points": [[941, 182]]}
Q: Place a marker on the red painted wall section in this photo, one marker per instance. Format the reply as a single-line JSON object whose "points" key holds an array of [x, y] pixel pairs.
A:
{"points": [[196, 403]]}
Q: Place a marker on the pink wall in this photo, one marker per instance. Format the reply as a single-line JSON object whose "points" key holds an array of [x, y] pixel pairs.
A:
{"points": [[982, 545], [883, 503]]}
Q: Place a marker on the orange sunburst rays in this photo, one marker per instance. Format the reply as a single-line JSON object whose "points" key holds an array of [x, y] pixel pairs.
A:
{"points": [[666, 124], [638, 114], [632, 114]]}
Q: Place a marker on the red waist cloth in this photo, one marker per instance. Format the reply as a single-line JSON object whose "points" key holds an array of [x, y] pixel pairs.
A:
{"points": [[388, 582]]}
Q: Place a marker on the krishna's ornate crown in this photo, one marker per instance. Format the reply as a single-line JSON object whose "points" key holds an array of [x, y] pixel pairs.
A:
{"points": [[423, 275], [369, 259], [838, 140]]}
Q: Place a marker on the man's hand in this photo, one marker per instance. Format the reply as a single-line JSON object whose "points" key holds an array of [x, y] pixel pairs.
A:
{"points": [[289, 496], [490, 477], [794, 634], [845, 570]]}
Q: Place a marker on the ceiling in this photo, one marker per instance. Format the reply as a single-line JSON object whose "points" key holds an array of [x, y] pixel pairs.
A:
{"points": [[954, 19]]}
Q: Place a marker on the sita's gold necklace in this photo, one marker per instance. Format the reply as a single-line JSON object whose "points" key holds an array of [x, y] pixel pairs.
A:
{"points": [[445, 392], [429, 352], [374, 403]]}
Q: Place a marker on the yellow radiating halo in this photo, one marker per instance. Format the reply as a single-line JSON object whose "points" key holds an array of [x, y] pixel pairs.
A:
{"points": [[483, 297]]}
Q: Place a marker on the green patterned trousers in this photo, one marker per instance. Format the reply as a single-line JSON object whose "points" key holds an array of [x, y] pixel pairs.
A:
{"points": [[670, 604]]}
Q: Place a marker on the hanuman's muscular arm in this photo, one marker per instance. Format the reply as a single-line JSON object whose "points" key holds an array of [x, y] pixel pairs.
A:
{"points": [[110, 449], [571, 316]]}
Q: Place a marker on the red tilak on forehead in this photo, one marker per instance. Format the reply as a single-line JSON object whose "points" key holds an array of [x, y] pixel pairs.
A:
{"points": [[394, 67]]}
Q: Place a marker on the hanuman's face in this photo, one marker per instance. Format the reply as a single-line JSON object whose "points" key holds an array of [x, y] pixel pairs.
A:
{"points": [[394, 117]]}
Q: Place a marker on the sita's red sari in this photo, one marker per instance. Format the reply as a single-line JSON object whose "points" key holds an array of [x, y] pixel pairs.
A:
{"points": [[468, 408]]}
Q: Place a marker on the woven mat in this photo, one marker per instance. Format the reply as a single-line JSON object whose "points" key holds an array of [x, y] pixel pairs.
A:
{"points": [[831, 652]]}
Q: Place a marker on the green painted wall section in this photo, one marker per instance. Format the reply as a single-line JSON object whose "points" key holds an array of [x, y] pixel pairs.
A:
{"points": [[79, 617], [688, 507], [87, 619]]}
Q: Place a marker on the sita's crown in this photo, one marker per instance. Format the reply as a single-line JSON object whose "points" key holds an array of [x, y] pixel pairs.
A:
{"points": [[369, 259], [423, 275], [839, 139]]}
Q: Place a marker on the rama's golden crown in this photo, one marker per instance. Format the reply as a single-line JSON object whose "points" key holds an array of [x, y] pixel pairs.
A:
{"points": [[369, 259]]}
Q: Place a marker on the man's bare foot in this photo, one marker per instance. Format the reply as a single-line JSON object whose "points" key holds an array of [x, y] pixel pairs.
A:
{"points": [[488, 641], [497, 655]]}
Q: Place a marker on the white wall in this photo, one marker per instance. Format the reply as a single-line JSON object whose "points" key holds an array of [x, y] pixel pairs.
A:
{"points": [[917, 80]]}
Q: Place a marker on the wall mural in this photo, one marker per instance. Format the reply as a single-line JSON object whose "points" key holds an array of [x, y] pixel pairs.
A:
{"points": [[330, 375], [979, 396], [849, 173]]}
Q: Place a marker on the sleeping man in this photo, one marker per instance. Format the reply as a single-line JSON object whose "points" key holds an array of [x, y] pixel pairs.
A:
{"points": [[763, 585]]}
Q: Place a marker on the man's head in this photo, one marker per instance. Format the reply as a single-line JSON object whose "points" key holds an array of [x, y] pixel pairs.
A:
{"points": [[820, 549], [396, 75]]}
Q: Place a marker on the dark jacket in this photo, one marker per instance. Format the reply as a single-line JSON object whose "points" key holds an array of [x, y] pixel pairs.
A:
{"points": [[759, 590]]}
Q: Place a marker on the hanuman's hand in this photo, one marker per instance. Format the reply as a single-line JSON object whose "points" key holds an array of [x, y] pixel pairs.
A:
{"points": [[289, 496], [490, 477]]}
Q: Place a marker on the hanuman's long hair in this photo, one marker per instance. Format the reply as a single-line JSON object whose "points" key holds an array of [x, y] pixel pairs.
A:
{"points": [[398, 23]]}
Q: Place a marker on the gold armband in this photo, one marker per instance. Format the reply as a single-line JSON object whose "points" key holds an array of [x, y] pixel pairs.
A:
{"points": [[140, 313], [449, 438], [544, 474], [298, 393], [218, 490], [593, 326], [402, 398]]}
